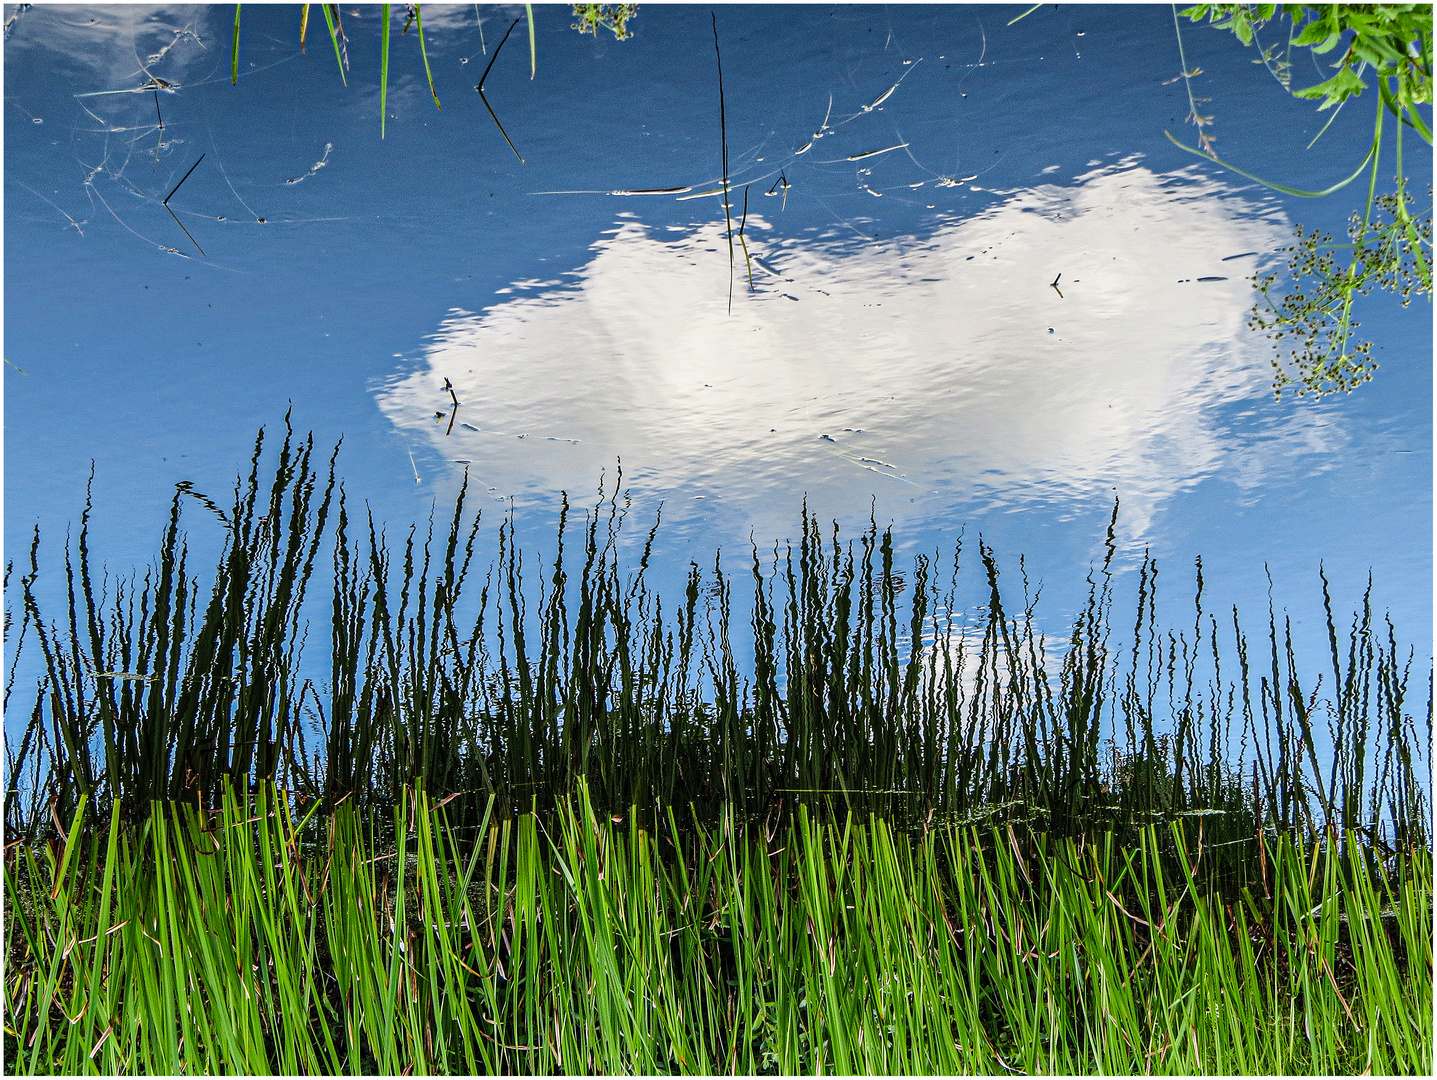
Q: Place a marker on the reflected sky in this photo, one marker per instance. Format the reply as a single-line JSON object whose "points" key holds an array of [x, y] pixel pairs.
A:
{"points": [[997, 324], [1066, 343]]}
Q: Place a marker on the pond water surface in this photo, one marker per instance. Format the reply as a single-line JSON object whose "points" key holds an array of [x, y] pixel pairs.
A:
{"points": [[981, 291]]}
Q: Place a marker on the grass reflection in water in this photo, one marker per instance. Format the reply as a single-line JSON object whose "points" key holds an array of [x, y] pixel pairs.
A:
{"points": [[565, 828]]}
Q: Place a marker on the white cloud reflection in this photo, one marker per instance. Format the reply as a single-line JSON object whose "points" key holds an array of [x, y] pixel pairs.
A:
{"points": [[933, 374], [119, 47]]}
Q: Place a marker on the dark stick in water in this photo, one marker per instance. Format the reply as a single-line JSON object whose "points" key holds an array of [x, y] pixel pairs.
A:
{"points": [[723, 138], [485, 100], [165, 202]]}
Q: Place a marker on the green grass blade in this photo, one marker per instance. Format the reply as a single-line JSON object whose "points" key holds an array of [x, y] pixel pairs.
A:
{"points": [[1278, 187], [533, 47], [329, 19], [419, 22], [234, 49], [383, 66]]}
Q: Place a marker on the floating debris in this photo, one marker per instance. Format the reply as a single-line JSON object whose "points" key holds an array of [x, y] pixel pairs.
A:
{"points": [[875, 153], [881, 98], [653, 191], [321, 163]]}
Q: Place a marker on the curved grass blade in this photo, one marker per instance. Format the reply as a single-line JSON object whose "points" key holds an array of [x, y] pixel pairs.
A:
{"points": [[329, 17], [234, 54], [1025, 14], [303, 24], [383, 66], [419, 22], [1325, 126], [533, 50], [485, 100], [1277, 187]]}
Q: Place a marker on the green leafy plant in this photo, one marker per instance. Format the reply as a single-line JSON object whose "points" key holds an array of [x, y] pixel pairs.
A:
{"points": [[1391, 44], [1383, 257], [595, 17]]}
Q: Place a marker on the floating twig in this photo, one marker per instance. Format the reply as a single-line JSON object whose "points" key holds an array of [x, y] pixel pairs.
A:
{"points": [[165, 202], [485, 100], [875, 153], [781, 185], [723, 139], [160, 134], [453, 413], [743, 222]]}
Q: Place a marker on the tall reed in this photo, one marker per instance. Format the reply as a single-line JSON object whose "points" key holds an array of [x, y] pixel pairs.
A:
{"points": [[868, 688]]}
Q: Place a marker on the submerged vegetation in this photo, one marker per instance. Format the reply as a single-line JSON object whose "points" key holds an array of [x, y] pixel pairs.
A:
{"points": [[1312, 329], [580, 826]]}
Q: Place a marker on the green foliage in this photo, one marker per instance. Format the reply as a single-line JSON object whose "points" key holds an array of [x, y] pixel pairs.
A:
{"points": [[1393, 40], [1394, 43], [220, 942], [416, 17], [561, 830], [615, 17], [1384, 257]]}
